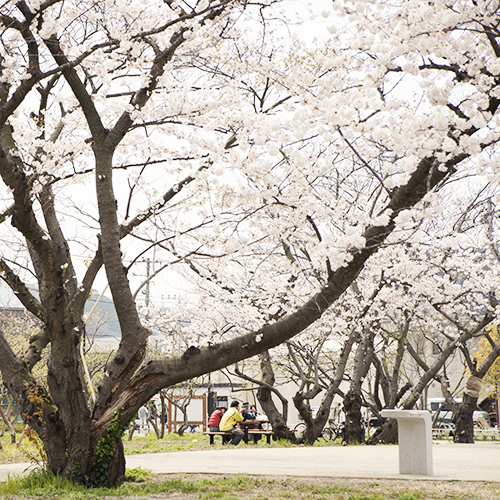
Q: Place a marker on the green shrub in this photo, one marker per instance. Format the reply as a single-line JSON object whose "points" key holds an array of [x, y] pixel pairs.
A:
{"points": [[137, 475]]}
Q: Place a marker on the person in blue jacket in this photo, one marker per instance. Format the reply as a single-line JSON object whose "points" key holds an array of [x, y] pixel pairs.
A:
{"points": [[250, 413]]}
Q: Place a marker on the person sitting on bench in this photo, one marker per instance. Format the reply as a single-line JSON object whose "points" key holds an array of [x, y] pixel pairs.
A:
{"points": [[250, 414], [229, 423], [215, 418]]}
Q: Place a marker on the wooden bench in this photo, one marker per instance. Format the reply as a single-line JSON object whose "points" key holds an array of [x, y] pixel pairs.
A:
{"points": [[250, 432], [256, 432], [218, 433]]}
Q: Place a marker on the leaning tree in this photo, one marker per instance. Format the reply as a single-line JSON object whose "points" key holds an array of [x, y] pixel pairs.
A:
{"points": [[235, 145]]}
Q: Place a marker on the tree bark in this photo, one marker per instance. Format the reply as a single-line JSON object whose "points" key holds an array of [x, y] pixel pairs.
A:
{"points": [[386, 434], [354, 430], [463, 414], [276, 418], [116, 469], [464, 424]]}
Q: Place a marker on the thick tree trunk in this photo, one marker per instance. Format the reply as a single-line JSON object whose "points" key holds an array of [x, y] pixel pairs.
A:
{"points": [[354, 430], [116, 469], [314, 426], [386, 434], [315, 429], [464, 424], [106, 464]]}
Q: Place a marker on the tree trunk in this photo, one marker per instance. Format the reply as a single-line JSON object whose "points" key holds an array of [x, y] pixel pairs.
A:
{"points": [[7, 420], [264, 396], [464, 424], [107, 464], [131, 430], [278, 423], [314, 431], [116, 469], [354, 430], [163, 414], [386, 434]]}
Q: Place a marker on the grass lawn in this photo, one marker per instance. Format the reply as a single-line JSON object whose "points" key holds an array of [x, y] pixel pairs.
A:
{"points": [[141, 443]]}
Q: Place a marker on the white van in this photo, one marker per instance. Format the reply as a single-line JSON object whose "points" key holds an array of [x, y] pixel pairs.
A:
{"points": [[445, 417]]}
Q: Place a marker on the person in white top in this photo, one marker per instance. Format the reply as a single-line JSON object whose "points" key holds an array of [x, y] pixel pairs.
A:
{"points": [[143, 416]]}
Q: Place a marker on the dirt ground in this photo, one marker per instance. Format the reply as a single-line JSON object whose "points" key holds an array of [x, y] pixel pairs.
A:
{"points": [[334, 489]]}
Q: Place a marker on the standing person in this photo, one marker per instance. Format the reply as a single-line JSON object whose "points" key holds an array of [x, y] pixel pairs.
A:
{"points": [[143, 416], [153, 410], [229, 423], [215, 418]]}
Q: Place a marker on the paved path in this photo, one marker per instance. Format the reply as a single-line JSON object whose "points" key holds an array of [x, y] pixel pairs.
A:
{"points": [[471, 462]]}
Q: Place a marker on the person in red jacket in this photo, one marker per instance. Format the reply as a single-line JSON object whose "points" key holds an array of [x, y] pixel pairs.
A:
{"points": [[215, 418]]}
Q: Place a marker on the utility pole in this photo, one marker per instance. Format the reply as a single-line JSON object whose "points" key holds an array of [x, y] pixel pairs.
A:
{"points": [[144, 288], [148, 267]]}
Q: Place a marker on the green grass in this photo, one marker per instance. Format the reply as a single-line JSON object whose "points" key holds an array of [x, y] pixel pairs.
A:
{"points": [[137, 475], [28, 452], [41, 484]]}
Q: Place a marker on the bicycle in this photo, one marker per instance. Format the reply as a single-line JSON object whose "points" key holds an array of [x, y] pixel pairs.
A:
{"points": [[299, 430], [332, 431], [329, 433]]}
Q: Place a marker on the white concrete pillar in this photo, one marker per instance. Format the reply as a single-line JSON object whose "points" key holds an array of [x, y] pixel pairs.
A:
{"points": [[415, 440]]}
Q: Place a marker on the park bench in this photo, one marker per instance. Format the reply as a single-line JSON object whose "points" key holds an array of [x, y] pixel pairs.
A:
{"points": [[256, 432], [218, 433], [250, 432]]}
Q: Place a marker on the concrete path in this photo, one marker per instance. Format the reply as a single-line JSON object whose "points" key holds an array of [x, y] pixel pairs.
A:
{"points": [[468, 462]]}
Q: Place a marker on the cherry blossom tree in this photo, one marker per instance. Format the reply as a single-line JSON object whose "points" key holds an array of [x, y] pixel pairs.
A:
{"points": [[268, 169], [449, 284]]}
